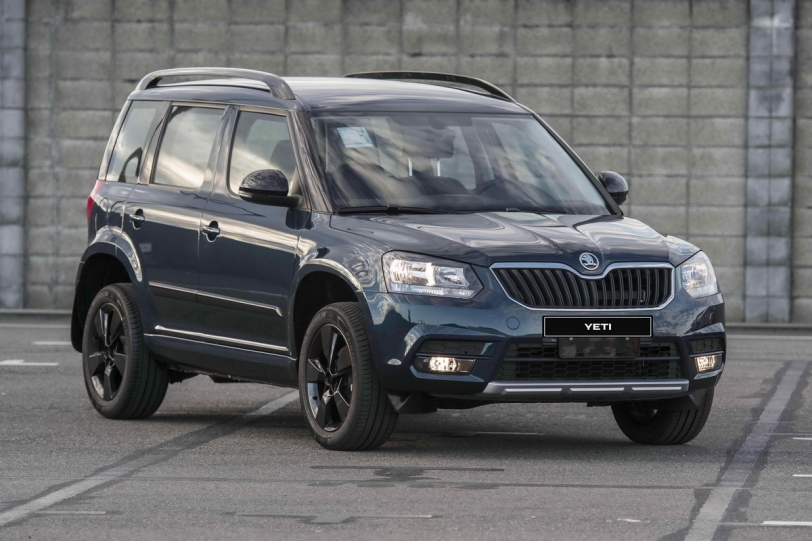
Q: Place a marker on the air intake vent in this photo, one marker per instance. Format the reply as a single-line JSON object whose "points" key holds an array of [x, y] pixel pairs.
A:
{"points": [[559, 288]]}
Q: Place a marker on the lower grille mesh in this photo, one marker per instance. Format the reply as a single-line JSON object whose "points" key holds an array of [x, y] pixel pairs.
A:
{"points": [[539, 361], [585, 370]]}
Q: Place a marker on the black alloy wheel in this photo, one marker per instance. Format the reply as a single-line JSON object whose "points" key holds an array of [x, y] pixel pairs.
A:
{"points": [[329, 378], [107, 354], [344, 405], [122, 379]]}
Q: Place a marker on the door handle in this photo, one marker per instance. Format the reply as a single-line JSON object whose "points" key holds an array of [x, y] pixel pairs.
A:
{"points": [[137, 218], [211, 231]]}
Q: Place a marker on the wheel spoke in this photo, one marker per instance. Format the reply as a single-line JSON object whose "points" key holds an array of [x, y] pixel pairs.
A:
{"points": [[342, 406], [332, 414], [95, 363], [321, 414], [314, 371], [100, 324], [116, 327], [329, 337], [108, 388], [104, 322], [343, 363], [120, 361]]}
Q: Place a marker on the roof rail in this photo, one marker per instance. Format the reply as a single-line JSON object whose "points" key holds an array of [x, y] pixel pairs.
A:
{"points": [[491, 89], [276, 85]]}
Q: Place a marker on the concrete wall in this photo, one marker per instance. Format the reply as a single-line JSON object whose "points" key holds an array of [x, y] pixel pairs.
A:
{"points": [[802, 209], [656, 90], [12, 144]]}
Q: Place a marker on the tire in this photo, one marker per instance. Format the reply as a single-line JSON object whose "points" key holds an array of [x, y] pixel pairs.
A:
{"points": [[121, 378], [645, 424], [343, 402]]}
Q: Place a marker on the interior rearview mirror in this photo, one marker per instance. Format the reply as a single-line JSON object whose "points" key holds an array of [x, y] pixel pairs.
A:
{"points": [[269, 187], [615, 184]]}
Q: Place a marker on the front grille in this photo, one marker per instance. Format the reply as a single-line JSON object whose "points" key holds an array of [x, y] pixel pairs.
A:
{"points": [[585, 370], [539, 361], [559, 288], [532, 350]]}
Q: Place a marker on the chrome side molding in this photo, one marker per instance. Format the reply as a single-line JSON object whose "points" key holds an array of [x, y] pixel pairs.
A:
{"points": [[211, 299], [221, 340]]}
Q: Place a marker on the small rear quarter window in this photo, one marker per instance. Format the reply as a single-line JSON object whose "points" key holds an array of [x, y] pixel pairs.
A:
{"points": [[128, 154]]}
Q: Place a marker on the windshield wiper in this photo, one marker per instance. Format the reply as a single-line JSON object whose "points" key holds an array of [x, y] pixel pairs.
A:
{"points": [[388, 209]]}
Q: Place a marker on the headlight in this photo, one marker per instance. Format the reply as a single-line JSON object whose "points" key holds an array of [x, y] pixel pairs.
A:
{"points": [[424, 275], [697, 276]]}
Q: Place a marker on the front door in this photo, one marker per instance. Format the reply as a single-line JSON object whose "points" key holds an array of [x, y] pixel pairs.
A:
{"points": [[248, 252], [162, 214]]}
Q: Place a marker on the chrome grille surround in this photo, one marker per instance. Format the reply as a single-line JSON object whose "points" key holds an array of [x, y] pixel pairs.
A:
{"points": [[607, 270]]}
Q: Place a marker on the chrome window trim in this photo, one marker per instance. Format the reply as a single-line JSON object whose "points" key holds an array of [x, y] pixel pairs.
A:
{"points": [[607, 270], [221, 340]]}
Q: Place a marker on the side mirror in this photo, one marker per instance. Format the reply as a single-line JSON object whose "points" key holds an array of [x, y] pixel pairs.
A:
{"points": [[616, 185], [269, 187]]}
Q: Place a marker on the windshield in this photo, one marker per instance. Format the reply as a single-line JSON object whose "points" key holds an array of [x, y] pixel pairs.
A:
{"points": [[450, 162]]}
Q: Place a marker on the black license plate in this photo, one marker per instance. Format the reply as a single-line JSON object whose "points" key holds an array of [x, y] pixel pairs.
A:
{"points": [[572, 327], [598, 348]]}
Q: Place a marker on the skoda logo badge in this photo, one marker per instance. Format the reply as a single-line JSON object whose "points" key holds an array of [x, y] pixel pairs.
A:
{"points": [[588, 261]]}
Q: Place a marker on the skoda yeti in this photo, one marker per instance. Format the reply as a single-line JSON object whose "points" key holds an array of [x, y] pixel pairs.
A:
{"points": [[388, 243]]}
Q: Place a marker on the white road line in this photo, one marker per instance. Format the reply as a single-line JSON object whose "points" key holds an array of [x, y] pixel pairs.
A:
{"points": [[72, 512], [803, 439], [803, 475], [767, 337], [70, 491], [713, 510], [54, 343], [33, 326], [21, 362], [786, 523]]}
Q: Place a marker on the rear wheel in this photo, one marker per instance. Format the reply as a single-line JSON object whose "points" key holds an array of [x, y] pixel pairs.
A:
{"points": [[122, 380], [343, 402], [644, 423]]}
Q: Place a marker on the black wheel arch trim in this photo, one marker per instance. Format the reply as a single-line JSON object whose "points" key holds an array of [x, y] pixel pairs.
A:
{"points": [[108, 242]]}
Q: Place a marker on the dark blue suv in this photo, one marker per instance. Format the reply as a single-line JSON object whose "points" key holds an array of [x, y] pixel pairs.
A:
{"points": [[388, 242]]}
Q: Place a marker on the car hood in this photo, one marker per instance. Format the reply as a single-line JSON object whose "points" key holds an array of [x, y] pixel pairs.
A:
{"points": [[492, 237]]}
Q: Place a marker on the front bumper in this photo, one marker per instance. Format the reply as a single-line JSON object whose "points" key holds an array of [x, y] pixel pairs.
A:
{"points": [[400, 325]]}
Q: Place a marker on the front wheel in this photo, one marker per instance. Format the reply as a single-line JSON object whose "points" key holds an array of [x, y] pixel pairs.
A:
{"points": [[343, 402], [644, 423]]}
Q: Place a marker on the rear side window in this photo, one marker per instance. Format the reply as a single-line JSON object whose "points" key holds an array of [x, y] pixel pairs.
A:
{"points": [[186, 146], [128, 154], [261, 141]]}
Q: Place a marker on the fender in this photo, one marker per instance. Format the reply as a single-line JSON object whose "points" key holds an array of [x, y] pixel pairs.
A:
{"points": [[109, 241], [113, 241]]}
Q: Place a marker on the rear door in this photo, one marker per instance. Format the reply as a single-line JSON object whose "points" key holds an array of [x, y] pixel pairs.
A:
{"points": [[162, 215], [247, 259]]}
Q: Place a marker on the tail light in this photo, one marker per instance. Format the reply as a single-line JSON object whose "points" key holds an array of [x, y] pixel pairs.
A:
{"points": [[92, 197]]}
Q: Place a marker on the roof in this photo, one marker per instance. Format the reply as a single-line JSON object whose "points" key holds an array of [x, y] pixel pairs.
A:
{"points": [[323, 94]]}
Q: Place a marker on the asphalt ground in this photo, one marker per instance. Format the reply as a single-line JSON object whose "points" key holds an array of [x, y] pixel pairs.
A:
{"points": [[225, 461]]}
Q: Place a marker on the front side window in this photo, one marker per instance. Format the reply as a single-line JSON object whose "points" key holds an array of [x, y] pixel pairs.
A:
{"points": [[128, 154], [186, 146], [451, 162], [261, 141]]}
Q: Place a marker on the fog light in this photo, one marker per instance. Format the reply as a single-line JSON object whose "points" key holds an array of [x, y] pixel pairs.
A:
{"points": [[444, 365], [707, 362]]}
